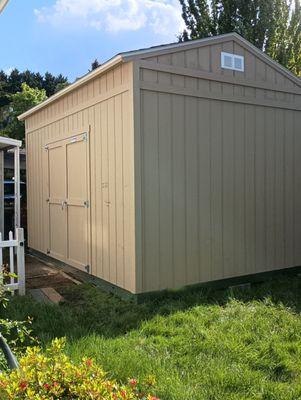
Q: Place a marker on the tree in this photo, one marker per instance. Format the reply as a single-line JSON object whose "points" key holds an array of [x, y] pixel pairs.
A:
{"points": [[19, 103], [273, 26], [95, 64], [13, 81]]}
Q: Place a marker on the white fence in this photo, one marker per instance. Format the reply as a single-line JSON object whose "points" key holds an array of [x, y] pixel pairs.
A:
{"points": [[15, 258]]}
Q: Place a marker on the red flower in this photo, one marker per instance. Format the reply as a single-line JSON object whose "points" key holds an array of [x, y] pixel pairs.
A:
{"points": [[55, 384], [123, 394], [46, 386], [23, 385], [89, 363], [133, 382], [154, 398]]}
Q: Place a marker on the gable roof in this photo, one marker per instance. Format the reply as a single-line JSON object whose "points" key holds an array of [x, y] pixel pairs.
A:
{"points": [[164, 49]]}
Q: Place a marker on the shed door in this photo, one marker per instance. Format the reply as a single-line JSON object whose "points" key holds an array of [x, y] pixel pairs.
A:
{"points": [[69, 212]]}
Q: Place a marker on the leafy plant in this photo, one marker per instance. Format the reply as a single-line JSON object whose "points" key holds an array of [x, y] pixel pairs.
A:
{"points": [[17, 333], [51, 375]]}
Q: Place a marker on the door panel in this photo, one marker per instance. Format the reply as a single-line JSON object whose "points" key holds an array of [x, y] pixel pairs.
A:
{"points": [[57, 195], [77, 237], [57, 177], [69, 212], [77, 202], [57, 231]]}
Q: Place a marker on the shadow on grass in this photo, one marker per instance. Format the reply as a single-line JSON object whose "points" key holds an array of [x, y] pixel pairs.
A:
{"points": [[89, 310]]}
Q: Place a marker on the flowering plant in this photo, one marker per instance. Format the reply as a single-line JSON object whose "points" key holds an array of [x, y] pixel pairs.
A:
{"points": [[52, 376]]}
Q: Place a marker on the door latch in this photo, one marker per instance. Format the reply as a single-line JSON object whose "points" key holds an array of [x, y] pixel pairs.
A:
{"points": [[86, 203]]}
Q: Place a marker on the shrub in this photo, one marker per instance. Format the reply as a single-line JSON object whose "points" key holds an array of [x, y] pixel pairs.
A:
{"points": [[16, 333], [50, 375]]}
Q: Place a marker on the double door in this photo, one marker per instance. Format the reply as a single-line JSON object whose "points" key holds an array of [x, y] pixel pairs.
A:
{"points": [[69, 201]]}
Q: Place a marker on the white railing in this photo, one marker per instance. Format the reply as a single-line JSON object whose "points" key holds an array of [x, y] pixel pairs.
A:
{"points": [[15, 258]]}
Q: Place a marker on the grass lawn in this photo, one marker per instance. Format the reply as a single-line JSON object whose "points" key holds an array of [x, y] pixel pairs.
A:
{"points": [[199, 345]]}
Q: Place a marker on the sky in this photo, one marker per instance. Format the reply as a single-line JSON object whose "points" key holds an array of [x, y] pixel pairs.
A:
{"points": [[65, 36]]}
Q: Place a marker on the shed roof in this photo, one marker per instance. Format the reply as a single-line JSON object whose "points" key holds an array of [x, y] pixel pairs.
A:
{"points": [[163, 49]]}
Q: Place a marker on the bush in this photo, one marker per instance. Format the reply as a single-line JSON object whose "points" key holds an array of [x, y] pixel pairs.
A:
{"points": [[16, 333], [52, 376]]}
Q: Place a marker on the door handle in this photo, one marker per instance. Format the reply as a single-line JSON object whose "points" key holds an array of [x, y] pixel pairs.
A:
{"points": [[64, 203]]}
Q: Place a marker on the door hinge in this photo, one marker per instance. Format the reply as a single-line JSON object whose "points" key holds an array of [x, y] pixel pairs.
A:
{"points": [[85, 137], [46, 147], [87, 268], [47, 199], [86, 203], [48, 251]]}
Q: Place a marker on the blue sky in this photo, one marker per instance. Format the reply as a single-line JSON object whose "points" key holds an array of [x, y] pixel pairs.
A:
{"points": [[65, 36]]}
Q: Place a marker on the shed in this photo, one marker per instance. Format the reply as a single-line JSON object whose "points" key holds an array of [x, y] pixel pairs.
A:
{"points": [[170, 166]]}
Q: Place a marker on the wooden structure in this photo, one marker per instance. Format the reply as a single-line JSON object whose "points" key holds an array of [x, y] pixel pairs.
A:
{"points": [[170, 166]]}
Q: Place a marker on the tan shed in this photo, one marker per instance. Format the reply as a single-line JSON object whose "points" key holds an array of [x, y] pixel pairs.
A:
{"points": [[171, 166]]}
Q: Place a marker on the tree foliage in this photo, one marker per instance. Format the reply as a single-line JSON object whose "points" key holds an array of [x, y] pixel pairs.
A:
{"points": [[273, 26], [20, 91], [95, 64], [20, 102]]}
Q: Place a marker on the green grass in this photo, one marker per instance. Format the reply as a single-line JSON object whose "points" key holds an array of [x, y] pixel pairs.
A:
{"points": [[199, 345]]}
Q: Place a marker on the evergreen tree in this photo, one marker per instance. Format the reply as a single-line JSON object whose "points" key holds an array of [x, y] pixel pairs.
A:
{"points": [[95, 64]]}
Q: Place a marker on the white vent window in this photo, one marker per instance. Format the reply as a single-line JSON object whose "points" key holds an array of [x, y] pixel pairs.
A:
{"points": [[232, 61]]}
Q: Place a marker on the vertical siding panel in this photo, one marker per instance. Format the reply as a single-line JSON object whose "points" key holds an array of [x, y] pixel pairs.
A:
{"points": [[35, 179], [112, 190], [119, 190], [250, 200], [128, 196], [165, 77], [216, 189], [45, 222], [29, 189], [151, 191], [297, 186], [289, 181], [204, 58], [105, 191], [95, 189], [39, 192], [204, 193], [192, 215], [165, 190], [192, 59], [270, 186], [178, 156], [228, 188], [279, 189], [239, 205], [215, 67], [178, 60]]}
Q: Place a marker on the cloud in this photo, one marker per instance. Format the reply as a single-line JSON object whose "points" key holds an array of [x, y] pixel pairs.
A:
{"points": [[163, 17]]}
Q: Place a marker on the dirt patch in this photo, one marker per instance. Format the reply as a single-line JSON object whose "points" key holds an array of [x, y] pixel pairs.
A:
{"points": [[41, 275]]}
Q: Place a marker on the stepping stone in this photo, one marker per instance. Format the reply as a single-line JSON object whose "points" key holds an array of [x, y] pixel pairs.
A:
{"points": [[46, 295], [38, 295]]}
